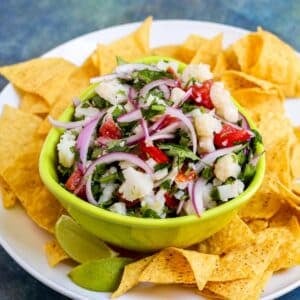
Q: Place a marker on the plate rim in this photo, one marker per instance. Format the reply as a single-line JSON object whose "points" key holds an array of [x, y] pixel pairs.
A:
{"points": [[20, 261]]}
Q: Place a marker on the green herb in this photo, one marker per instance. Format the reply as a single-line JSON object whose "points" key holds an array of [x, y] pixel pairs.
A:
{"points": [[207, 173], [127, 128], [184, 139], [121, 61], [188, 107], [76, 152], [215, 194], [118, 111], [63, 172], [99, 172], [99, 102], [229, 180], [255, 141], [146, 76], [153, 110], [179, 151], [247, 173], [166, 185], [110, 178], [241, 157], [161, 166], [157, 93], [149, 213], [96, 152], [117, 146]]}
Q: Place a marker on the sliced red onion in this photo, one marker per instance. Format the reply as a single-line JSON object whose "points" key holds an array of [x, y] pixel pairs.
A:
{"points": [[180, 207], [85, 136], [169, 129], [133, 115], [88, 190], [186, 121], [109, 77], [165, 91], [135, 138], [210, 158], [132, 95], [144, 125], [68, 125], [129, 68], [197, 196], [118, 156], [184, 98], [190, 189], [168, 82], [245, 124], [163, 136], [103, 141]]}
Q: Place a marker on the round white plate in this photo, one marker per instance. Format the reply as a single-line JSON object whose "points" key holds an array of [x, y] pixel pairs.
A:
{"points": [[24, 241]]}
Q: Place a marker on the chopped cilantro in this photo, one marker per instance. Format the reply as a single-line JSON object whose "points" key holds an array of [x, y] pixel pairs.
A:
{"points": [[118, 111], [146, 76], [110, 178], [99, 102], [149, 213], [207, 173], [117, 146], [247, 173], [241, 157], [256, 140], [161, 166], [153, 110], [184, 139], [166, 185], [179, 151], [188, 107], [63, 172], [215, 194], [96, 152]]}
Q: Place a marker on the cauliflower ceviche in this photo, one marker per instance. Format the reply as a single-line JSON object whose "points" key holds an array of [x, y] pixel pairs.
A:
{"points": [[153, 142]]}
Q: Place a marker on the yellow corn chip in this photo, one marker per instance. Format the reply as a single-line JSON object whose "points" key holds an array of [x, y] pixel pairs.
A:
{"points": [[227, 238], [42, 76], [9, 199], [173, 51], [131, 275], [173, 265], [34, 104], [257, 225], [55, 254]]}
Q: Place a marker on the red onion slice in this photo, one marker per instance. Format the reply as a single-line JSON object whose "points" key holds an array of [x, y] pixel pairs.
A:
{"points": [[134, 115], [168, 82], [68, 125], [88, 190], [165, 91], [197, 196], [210, 158], [186, 121], [184, 98], [118, 156], [132, 95], [180, 207], [245, 124], [85, 136], [76, 101], [144, 125], [163, 136]]}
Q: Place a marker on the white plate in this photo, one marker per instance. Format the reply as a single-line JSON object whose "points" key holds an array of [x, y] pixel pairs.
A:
{"points": [[24, 241]]}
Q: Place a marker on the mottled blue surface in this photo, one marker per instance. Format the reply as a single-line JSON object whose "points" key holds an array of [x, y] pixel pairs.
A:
{"points": [[30, 28]]}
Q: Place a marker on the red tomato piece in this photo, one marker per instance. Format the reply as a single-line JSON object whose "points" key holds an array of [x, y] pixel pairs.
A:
{"points": [[155, 153], [230, 136], [201, 94], [109, 129], [74, 180], [167, 121], [171, 201]]}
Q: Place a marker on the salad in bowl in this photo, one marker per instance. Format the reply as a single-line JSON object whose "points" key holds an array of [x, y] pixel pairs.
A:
{"points": [[157, 140]]}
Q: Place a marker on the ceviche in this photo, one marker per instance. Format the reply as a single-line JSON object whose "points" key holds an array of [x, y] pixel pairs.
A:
{"points": [[157, 141]]}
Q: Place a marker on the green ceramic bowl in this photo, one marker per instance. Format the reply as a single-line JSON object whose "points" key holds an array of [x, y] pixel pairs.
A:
{"points": [[137, 233]]}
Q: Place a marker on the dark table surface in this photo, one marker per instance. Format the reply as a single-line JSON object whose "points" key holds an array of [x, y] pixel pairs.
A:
{"points": [[30, 28]]}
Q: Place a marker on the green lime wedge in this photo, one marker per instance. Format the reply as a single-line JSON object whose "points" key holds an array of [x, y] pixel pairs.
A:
{"points": [[103, 275], [79, 244]]}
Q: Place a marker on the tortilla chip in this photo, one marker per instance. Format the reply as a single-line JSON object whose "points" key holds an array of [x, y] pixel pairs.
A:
{"points": [[257, 225], [41, 76], [34, 104], [55, 254], [208, 52], [173, 51], [247, 262], [231, 59], [221, 65], [295, 160], [16, 131], [173, 265], [265, 203], [130, 48], [39, 204], [227, 238], [9, 199], [131, 275]]}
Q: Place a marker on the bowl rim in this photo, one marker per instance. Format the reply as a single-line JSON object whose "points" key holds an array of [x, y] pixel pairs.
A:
{"points": [[47, 169]]}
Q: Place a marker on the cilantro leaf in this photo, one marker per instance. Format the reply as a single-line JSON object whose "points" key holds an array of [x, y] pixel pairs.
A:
{"points": [[179, 151]]}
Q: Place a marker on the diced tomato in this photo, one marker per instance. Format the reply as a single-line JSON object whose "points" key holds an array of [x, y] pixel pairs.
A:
{"points": [[128, 203], [155, 153], [167, 121], [201, 94], [230, 136], [189, 175], [109, 129], [74, 180], [171, 201]]}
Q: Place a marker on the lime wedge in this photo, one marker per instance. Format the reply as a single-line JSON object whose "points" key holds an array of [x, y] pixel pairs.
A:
{"points": [[103, 275], [79, 244]]}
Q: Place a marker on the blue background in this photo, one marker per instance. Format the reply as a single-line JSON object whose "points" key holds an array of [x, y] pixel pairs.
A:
{"points": [[30, 28]]}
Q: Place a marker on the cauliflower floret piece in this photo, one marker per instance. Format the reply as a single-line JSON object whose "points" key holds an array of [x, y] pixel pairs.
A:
{"points": [[226, 167], [153, 98], [199, 72], [119, 208], [136, 184], [206, 124], [232, 190], [208, 202], [155, 202], [177, 95], [107, 192], [85, 112], [206, 144], [113, 91], [221, 99], [188, 207], [66, 154]]}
